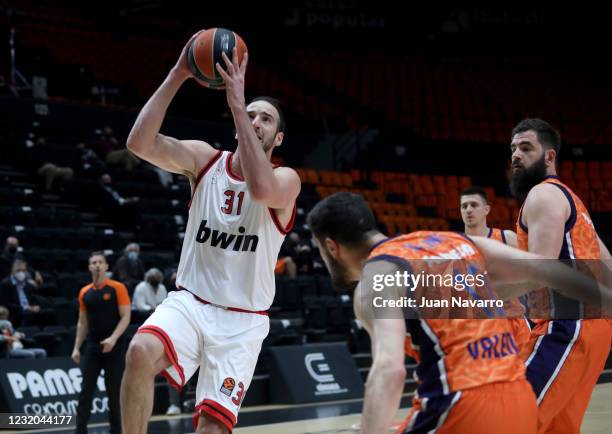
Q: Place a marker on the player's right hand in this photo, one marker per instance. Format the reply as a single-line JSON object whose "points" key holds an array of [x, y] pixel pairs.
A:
{"points": [[182, 64], [76, 356]]}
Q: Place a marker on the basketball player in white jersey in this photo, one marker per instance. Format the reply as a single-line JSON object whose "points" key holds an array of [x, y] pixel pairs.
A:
{"points": [[240, 211]]}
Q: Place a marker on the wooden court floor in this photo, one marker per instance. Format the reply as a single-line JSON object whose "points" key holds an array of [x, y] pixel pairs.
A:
{"points": [[341, 417], [598, 420]]}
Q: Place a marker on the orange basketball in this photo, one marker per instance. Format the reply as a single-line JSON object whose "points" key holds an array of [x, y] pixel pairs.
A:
{"points": [[205, 52]]}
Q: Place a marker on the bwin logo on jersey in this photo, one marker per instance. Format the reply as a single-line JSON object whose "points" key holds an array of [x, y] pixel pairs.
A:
{"points": [[223, 240]]}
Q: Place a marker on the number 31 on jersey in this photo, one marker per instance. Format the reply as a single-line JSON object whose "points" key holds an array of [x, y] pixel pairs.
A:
{"points": [[230, 195]]}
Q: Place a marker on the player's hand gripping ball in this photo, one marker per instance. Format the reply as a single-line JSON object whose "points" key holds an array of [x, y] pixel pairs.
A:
{"points": [[205, 52]]}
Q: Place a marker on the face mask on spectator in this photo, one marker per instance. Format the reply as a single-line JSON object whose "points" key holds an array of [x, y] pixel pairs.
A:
{"points": [[20, 276], [154, 282], [12, 249], [132, 256]]}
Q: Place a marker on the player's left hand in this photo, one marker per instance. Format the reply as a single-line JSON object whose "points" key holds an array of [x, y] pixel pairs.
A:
{"points": [[234, 78], [108, 344]]}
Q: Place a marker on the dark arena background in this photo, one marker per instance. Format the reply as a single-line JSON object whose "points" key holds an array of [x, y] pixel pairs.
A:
{"points": [[405, 105]]}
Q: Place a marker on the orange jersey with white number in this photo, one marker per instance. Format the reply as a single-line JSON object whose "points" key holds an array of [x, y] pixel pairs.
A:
{"points": [[579, 242], [452, 354]]}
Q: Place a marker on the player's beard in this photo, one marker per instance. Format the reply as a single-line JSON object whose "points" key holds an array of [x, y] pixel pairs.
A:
{"points": [[267, 145], [340, 275], [523, 180]]}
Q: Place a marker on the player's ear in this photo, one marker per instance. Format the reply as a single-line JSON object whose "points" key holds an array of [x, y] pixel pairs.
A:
{"points": [[278, 140], [550, 156], [332, 247], [487, 209]]}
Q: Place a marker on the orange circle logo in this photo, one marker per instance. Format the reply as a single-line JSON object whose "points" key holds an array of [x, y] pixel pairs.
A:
{"points": [[229, 383]]}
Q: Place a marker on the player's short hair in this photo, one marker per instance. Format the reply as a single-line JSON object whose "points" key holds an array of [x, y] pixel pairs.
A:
{"points": [[344, 217], [277, 105], [547, 135], [474, 189]]}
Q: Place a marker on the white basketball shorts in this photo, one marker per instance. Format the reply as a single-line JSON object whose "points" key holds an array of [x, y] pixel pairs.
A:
{"points": [[223, 343]]}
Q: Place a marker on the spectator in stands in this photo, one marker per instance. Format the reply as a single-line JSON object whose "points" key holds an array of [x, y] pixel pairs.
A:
{"points": [[150, 292], [11, 252], [129, 268], [17, 292], [107, 185], [120, 210], [43, 159], [13, 340], [104, 315], [300, 251], [107, 148], [51, 172], [285, 266]]}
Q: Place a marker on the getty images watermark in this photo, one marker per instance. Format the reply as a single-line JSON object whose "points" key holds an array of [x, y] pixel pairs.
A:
{"points": [[454, 290]]}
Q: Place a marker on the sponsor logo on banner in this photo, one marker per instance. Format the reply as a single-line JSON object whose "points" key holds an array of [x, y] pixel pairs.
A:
{"points": [[320, 371], [49, 387]]}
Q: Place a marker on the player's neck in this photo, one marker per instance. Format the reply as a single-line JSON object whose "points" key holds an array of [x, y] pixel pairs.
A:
{"points": [[237, 162], [479, 231]]}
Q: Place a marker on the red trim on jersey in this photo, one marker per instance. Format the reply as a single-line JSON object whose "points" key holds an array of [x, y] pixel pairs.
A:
{"points": [[235, 176], [234, 309], [216, 411], [170, 353], [205, 169], [277, 222], [230, 172]]}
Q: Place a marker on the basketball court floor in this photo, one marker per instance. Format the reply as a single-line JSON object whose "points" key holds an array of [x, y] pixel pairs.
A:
{"points": [[339, 417]]}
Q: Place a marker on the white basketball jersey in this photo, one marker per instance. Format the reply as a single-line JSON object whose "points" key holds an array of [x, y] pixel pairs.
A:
{"points": [[231, 242]]}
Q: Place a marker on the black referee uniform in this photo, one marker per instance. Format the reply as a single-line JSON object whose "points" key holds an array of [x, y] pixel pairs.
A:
{"points": [[101, 305]]}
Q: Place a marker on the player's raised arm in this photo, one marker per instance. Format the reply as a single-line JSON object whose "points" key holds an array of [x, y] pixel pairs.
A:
{"points": [[278, 188], [178, 156]]}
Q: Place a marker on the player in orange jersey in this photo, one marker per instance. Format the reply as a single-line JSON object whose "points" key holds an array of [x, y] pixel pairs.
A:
{"points": [[475, 208], [566, 354], [471, 378]]}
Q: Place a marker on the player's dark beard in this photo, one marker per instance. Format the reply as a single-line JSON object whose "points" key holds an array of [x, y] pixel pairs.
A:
{"points": [[340, 277], [523, 180]]}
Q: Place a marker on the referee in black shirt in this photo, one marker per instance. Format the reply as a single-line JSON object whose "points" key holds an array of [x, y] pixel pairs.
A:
{"points": [[104, 314]]}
